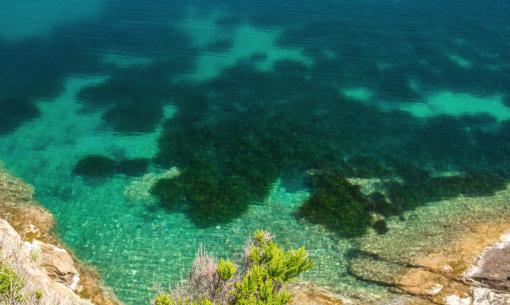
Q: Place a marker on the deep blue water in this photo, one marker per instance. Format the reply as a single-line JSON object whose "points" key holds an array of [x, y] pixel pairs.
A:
{"points": [[246, 98]]}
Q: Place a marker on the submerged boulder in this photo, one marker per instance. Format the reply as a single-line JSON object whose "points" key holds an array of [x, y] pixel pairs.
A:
{"points": [[309, 294], [140, 189]]}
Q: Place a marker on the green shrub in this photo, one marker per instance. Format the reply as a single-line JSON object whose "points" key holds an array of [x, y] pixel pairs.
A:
{"points": [[259, 288], [10, 282], [261, 281], [269, 268], [281, 265], [226, 269]]}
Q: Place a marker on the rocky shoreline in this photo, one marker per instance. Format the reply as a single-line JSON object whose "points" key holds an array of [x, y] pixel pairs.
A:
{"points": [[29, 242], [467, 264]]}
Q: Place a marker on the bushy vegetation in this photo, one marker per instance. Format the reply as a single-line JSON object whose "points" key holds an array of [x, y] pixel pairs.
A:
{"points": [[259, 279]]}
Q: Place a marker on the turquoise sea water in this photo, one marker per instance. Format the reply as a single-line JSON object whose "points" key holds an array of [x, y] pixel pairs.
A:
{"points": [[257, 94]]}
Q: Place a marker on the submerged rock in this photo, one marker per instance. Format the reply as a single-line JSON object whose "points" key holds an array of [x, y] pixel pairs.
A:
{"points": [[18, 207], [139, 190], [438, 278], [426, 255], [309, 294]]}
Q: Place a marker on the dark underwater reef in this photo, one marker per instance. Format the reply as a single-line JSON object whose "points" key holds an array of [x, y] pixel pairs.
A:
{"points": [[92, 166], [234, 135], [232, 142]]}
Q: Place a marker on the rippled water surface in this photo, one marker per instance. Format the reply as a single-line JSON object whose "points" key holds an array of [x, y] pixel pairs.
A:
{"points": [[104, 102]]}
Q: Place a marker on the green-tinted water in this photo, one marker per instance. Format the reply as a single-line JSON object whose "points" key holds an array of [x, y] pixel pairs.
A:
{"points": [[260, 93]]}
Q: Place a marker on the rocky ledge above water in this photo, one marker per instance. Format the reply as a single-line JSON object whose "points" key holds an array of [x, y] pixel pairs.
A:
{"points": [[41, 267], [29, 246]]}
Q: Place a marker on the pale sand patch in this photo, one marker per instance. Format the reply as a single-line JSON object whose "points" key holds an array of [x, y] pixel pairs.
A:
{"points": [[458, 104], [360, 94], [460, 61], [247, 41]]}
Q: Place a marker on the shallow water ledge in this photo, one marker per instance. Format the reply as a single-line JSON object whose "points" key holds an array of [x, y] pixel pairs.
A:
{"points": [[461, 259]]}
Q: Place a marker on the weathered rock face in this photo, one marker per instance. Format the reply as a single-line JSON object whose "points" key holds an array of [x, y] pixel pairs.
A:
{"points": [[485, 296], [424, 256], [57, 262], [440, 277], [38, 263], [493, 266], [35, 224], [18, 207]]}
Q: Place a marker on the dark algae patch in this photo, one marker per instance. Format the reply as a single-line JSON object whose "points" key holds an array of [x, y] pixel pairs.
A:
{"points": [[342, 207], [95, 166], [205, 195], [337, 204], [101, 166], [15, 111], [420, 190]]}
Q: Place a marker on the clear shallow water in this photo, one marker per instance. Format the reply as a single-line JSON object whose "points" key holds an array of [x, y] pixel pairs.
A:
{"points": [[411, 86]]}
